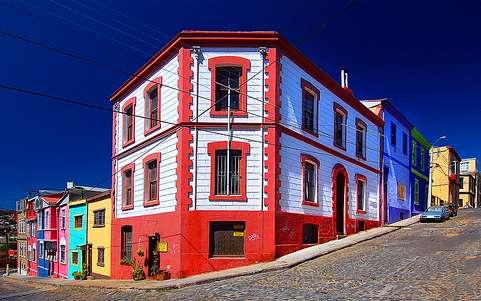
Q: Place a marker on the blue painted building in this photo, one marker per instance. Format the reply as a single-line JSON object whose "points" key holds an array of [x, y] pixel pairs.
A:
{"points": [[397, 160], [47, 233], [419, 171], [77, 238]]}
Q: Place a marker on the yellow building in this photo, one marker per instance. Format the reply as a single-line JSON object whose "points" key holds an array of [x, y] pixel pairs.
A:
{"points": [[99, 233], [469, 185], [445, 176]]}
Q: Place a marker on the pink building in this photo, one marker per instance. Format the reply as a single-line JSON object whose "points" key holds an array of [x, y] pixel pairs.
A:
{"points": [[62, 242]]}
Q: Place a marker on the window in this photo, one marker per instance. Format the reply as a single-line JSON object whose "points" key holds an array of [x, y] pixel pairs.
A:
{"points": [[310, 234], [416, 192], [228, 170], [126, 243], [227, 239], [361, 130], [310, 166], [40, 250], [128, 187], [152, 105], [99, 218], [128, 122], [40, 220], [453, 168], [414, 155], [64, 218], [461, 182], [151, 179], [422, 159], [229, 81], [227, 182], [78, 222], [75, 258], [361, 192], [100, 256], [340, 120], [464, 166], [33, 254], [62, 253], [401, 191], [47, 224], [393, 134], [405, 143], [310, 98]]}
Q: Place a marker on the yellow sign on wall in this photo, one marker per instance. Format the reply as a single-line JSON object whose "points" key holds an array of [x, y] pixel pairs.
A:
{"points": [[162, 246]]}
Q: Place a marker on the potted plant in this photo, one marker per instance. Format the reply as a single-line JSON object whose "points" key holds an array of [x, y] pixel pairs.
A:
{"points": [[137, 272]]}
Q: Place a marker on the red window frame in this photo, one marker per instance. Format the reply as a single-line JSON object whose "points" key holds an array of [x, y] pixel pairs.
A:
{"points": [[362, 124], [224, 61], [131, 102], [362, 178], [148, 159], [307, 87], [338, 108], [244, 147], [155, 83], [128, 167], [308, 158]]}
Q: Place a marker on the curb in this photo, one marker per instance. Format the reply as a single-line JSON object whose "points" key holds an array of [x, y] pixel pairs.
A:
{"points": [[281, 263]]}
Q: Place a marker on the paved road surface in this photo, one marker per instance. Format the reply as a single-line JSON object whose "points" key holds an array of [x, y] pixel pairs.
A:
{"points": [[422, 262]]}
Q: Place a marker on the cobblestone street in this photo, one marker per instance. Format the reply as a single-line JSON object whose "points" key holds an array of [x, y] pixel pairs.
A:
{"points": [[439, 261]]}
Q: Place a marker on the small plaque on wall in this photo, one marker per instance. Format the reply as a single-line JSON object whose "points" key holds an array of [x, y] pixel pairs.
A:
{"points": [[162, 246]]}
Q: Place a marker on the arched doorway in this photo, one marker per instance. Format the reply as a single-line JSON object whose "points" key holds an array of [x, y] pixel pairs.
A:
{"points": [[339, 198]]}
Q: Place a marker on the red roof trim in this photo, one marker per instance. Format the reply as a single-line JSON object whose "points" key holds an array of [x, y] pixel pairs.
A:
{"points": [[236, 38]]}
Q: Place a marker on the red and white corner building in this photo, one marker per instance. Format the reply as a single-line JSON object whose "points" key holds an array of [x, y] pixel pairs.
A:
{"points": [[302, 166]]}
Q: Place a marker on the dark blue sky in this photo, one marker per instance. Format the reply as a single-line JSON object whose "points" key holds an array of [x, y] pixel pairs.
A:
{"points": [[424, 55]]}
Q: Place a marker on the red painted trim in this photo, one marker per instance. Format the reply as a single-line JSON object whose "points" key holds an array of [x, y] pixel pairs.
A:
{"points": [[148, 159], [331, 151], [338, 108], [127, 104], [362, 178], [243, 39], [157, 82], [124, 169], [184, 135], [307, 87], [245, 148], [339, 168], [114, 163], [312, 160], [361, 123], [221, 61]]}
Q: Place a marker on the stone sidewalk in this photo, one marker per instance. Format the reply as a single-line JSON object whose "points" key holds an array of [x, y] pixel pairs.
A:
{"points": [[280, 263]]}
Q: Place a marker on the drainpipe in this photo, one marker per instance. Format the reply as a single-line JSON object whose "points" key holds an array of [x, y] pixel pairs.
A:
{"points": [[198, 57]]}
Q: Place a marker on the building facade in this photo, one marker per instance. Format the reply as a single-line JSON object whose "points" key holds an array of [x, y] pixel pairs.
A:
{"points": [[47, 233], [419, 172], [296, 164], [99, 226], [31, 236], [22, 260], [63, 222], [397, 160], [445, 176], [77, 236], [469, 183]]}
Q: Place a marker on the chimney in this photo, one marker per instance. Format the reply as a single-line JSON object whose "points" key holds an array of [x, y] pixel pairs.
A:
{"points": [[345, 80], [69, 184]]}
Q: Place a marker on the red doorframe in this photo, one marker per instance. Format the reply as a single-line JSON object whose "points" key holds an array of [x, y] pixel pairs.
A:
{"points": [[339, 168]]}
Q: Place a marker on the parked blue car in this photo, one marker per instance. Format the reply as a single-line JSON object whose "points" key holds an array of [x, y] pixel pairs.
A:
{"points": [[435, 214]]}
